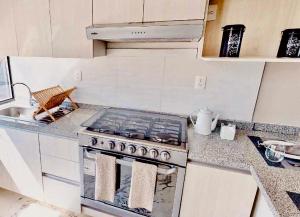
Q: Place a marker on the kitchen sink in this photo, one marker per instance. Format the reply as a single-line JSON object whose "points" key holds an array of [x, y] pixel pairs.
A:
{"points": [[19, 114], [16, 112]]}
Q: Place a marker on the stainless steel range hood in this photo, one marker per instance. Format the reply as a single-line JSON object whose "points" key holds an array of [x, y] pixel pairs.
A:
{"points": [[181, 31]]}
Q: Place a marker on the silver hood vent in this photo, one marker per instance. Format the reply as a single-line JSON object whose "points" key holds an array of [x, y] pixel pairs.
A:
{"points": [[182, 31]]}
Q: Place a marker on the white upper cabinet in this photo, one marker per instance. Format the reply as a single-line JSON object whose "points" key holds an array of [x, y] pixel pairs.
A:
{"points": [[32, 24], [117, 11], [167, 10], [8, 40], [69, 18]]}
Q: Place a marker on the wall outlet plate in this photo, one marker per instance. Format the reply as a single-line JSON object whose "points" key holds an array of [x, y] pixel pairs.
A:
{"points": [[77, 76], [200, 82], [212, 12]]}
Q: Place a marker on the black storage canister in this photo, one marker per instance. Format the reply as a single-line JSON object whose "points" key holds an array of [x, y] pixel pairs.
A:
{"points": [[232, 40], [290, 44]]}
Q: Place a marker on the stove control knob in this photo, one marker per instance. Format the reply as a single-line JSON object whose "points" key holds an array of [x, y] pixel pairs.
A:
{"points": [[131, 149], [164, 155], [121, 146], [111, 145], [93, 141], [153, 153], [142, 151]]}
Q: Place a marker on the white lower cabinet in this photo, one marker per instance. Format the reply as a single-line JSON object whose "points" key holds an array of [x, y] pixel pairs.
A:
{"points": [[61, 168], [214, 192], [6, 180], [261, 207], [62, 194], [20, 167], [59, 147]]}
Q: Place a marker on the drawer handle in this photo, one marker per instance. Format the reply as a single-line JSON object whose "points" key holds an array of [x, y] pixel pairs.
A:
{"points": [[60, 179]]}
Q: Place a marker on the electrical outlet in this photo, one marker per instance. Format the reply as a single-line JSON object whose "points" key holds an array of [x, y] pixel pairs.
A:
{"points": [[200, 82], [77, 76]]}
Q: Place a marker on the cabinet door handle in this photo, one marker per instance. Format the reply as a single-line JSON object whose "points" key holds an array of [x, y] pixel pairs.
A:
{"points": [[60, 179]]}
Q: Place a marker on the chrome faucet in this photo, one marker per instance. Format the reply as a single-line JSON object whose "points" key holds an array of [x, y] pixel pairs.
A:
{"points": [[32, 102]]}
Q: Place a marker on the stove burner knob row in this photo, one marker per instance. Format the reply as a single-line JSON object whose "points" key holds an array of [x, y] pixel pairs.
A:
{"points": [[111, 145], [164, 155], [131, 149], [121, 146], [153, 153], [142, 151]]}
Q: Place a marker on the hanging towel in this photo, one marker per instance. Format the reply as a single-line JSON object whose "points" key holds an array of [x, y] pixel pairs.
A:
{"points": [[143, 181], [105, 182]]}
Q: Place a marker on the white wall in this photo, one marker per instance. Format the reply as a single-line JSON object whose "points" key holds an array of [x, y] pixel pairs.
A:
{"points": [[279, 96], [159, 81]]}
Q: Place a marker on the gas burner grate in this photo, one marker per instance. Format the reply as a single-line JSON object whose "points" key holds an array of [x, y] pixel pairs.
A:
{"points": [[161, 128]]}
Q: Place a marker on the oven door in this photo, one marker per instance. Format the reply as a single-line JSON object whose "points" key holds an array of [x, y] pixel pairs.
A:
{"points": [[168, 190]]}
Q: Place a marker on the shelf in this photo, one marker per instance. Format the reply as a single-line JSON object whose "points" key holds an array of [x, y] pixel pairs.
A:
{"points": [[252, 59], [264, 21]]}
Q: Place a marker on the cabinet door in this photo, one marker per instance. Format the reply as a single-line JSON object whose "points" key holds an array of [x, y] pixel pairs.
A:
{"points": [[166, 10], [20, 156], [211, 192], [261, 207], [6, 180], [32, 24], [69, 18], [62, 194], [8, 40], [59, 147], [60, 168], [117, 11]]}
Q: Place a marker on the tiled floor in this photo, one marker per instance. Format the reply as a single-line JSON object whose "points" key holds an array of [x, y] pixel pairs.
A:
{"points": [[15, 205]]}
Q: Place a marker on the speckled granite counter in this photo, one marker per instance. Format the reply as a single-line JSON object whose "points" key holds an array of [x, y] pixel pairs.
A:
{"points": [[241, 154], [66, 126]]}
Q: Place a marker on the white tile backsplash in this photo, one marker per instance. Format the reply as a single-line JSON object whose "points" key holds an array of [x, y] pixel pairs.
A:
{"points": [[231, 88], [139, 82], [159, 81]]}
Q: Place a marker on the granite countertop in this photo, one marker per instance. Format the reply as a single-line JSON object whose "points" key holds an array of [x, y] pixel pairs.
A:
{"points": [[241, 154], [66, 126]]}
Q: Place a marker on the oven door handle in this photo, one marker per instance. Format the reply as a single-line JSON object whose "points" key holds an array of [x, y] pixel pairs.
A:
{"points": [[129, 164]]}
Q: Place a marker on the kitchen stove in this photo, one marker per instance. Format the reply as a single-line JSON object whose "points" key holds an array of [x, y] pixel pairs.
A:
{"points": [[153, 135], [140, 125], [132, 135]]}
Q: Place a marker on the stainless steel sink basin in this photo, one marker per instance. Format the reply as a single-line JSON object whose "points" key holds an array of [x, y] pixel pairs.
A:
{"points": [[15, 112], [19, 115]]}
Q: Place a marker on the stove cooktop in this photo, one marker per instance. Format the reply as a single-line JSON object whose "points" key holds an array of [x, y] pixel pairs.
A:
{"points": [[285, 164], [134, 124], [295, 198]]}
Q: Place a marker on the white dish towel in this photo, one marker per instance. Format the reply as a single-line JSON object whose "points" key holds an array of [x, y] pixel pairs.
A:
{"points": [[105, 182], [143, 181]]}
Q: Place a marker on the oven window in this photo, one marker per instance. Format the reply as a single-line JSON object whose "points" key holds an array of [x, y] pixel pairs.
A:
{"points": [[164, 192], [6, 91]]}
